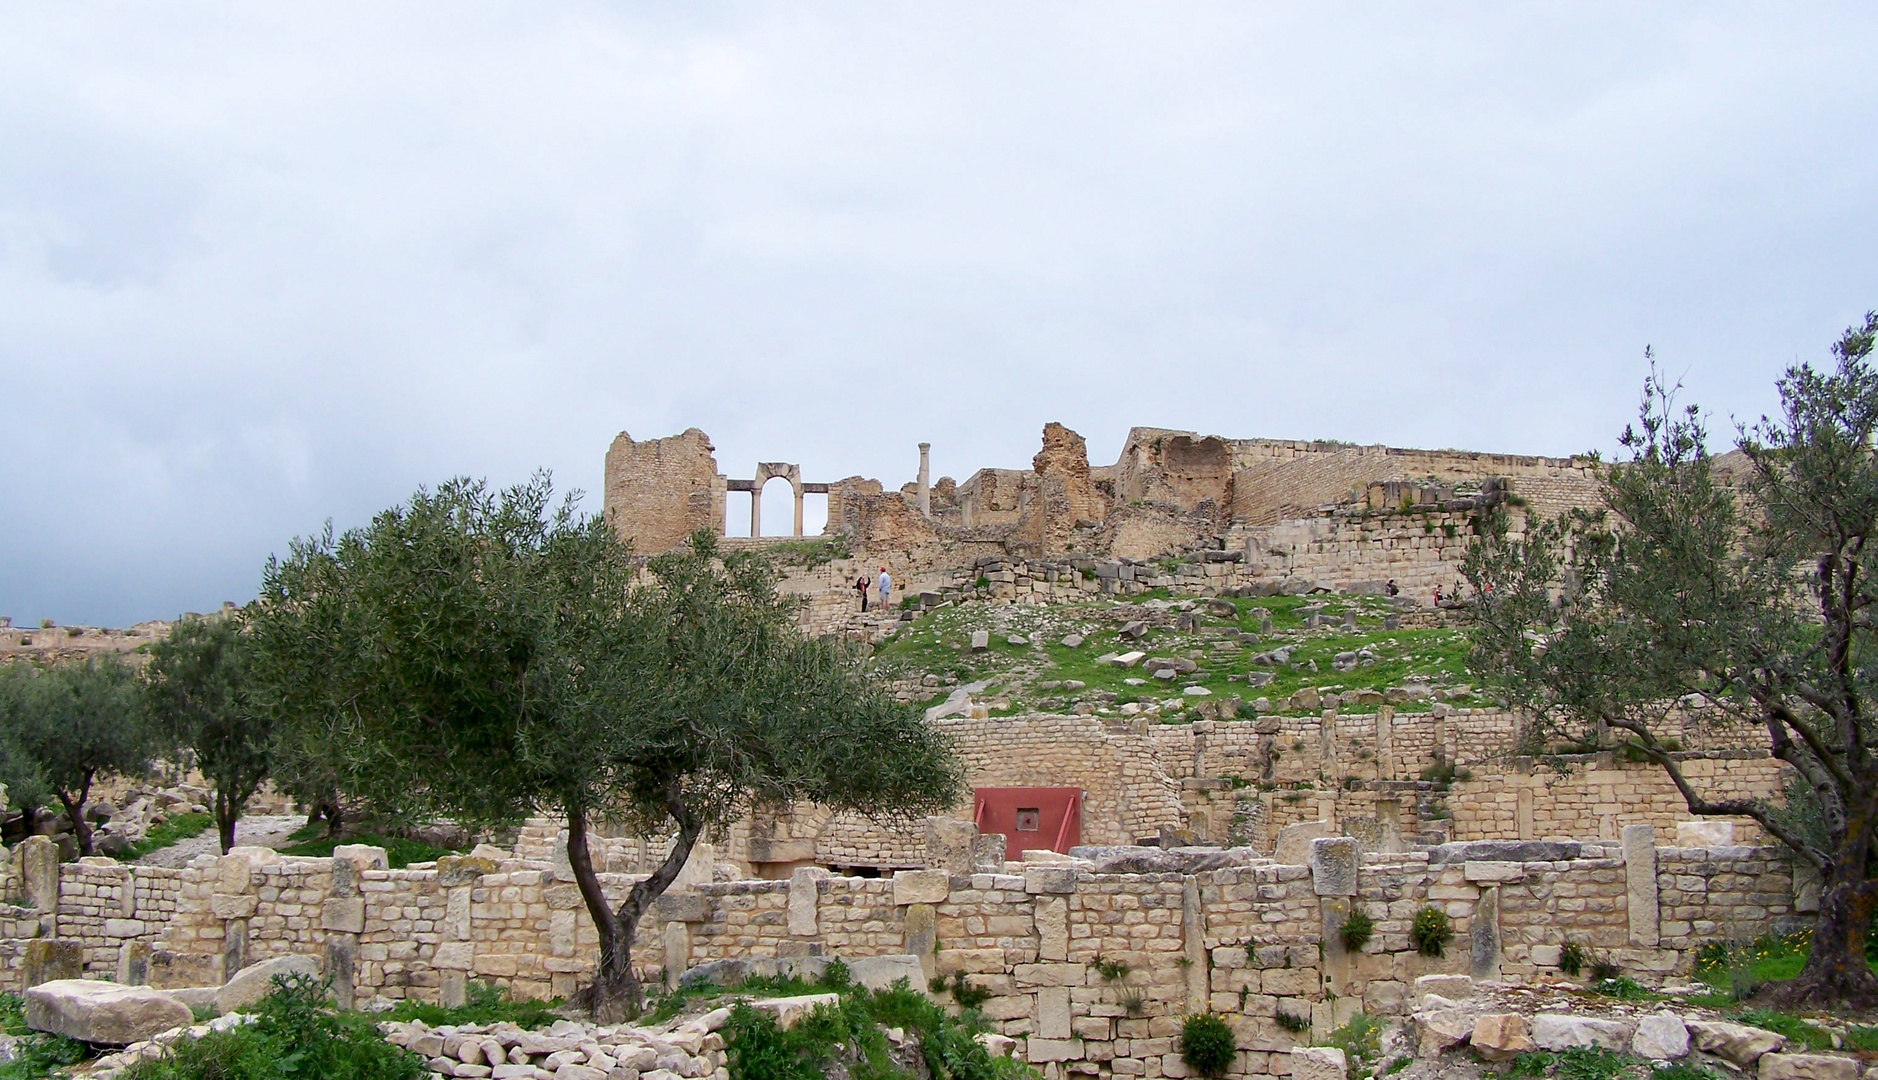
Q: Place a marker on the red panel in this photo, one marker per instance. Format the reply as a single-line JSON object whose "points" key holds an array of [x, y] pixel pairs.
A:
{"points": [[1059, 817]]}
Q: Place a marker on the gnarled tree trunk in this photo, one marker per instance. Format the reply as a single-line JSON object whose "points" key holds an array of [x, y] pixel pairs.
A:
{"points": [[616, 994]]}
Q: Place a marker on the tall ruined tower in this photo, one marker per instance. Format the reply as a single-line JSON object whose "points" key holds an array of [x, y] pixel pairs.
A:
{"points": [[660, 491]]}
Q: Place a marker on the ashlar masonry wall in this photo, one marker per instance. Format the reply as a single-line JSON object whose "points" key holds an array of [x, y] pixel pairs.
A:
{"points": [[1253, 941]]}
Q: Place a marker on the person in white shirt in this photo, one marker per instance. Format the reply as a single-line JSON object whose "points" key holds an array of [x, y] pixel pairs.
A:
{"points": [[886, 587]]}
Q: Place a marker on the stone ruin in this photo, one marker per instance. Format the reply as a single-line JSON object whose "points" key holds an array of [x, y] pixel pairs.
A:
{"points": [[1214, 861]]}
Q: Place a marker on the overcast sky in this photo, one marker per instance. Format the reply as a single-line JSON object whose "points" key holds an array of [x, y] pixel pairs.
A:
{"points": [[266, 265]]}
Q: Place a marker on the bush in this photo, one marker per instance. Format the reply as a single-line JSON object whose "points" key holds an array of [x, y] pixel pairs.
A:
{"points": [[1206, 1044], [1357, 930], [1572, 958], [1293, 1024], [483, 1004], [1604, 969], [295, 1033], [1591, 1063], [1430, 931]]}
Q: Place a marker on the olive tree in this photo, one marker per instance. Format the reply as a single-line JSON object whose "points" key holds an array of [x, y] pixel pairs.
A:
{"points": [[74, 722], [197, 689], [489, 655], [1749, 592], [26, 787]]}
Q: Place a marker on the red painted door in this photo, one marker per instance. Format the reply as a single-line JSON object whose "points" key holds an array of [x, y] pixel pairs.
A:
{"points": [[1030, 818]]}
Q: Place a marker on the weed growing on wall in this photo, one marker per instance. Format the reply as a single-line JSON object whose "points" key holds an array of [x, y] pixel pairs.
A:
{"points": [[1572, 958], [1206, 1044], [1431, 931], [1357, 930]]}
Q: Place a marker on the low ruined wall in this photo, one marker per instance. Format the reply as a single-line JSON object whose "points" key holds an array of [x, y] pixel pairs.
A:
{"points": [[1250, 942]]}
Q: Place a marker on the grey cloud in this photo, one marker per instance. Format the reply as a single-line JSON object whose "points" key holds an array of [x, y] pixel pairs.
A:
{"points": [[261, 267]]}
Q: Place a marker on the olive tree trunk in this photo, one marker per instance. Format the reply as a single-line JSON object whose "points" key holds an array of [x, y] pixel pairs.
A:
{"points": [[616, 993]]}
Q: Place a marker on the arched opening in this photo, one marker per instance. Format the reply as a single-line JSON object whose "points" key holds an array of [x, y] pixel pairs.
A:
{"points": [[779, 507]]}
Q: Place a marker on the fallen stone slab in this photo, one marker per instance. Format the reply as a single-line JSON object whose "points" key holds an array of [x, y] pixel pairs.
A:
{"points": [[102, 1012], [1737, 1044], [1454, 987], [1808, 1067], [1661, 1037], [880, 972], [1557, 1031], [256, 981], [1441, 1030], [1501, 1036], [789, 1011]]}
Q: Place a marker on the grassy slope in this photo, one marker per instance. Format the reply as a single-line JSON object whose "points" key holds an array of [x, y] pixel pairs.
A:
{"points": [[939, 643]]}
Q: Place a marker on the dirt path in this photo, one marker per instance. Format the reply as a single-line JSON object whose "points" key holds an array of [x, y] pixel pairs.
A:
{"points": [[259, 830]]}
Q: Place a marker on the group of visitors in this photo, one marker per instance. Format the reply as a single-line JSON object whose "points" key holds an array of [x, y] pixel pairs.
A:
{"points": [[886, 588]]}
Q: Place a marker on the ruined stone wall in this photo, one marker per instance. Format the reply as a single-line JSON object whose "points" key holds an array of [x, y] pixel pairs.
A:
{"points": [[1250, 942], [660, 491]]}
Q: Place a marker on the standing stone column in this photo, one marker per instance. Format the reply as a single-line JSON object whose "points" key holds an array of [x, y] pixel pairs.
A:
{"points": [[234, 902], [1334, 863], [1483, 935], [342, 916], [1385, 742], [455, 957], [925, 489], [36, 868], [1640, 884]]}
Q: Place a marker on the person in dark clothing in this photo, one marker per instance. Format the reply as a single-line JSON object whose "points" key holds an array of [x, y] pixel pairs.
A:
{"points": [[860, 586]]}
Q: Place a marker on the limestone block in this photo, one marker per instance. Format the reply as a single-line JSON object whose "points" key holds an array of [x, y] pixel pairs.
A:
{"points": [[988, 853], [1041, 1050], [1294, 841], [1129, 659], [681, 907], [996, 1045], [1050, 879], [37, 860], [233, 906], [1736, 1043], [1319, 1063], [1558, 1031], [881, 972], [1660, 1036], [788, 1011], [362, 856], [1493, 872], [970, 961], [123, 928], [1053, 1021], [922, 938], [804, 897], [920, 887], [343, 914], [1438, 1030], [102, 1012], [255, 982], [454, 870], [1501, 1036], [1640, 884], [1333, 862], [53, 960], [981, 640], [1052, 922], [1808, 1067], [1705, 834], [949, 845], [1483, 935], [454, 956]]}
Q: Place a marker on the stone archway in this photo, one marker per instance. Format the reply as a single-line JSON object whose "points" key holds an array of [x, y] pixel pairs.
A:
{"points": [[765, 472]]}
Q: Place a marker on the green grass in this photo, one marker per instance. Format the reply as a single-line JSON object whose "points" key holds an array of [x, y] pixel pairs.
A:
{"points": [[485, 1004], [939, 643], [169, 831], [1624, 988], [308, 841]]}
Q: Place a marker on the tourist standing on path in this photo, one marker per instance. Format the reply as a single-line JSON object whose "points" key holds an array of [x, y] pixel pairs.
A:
{"points": [[860, 586], [886, 587]]}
